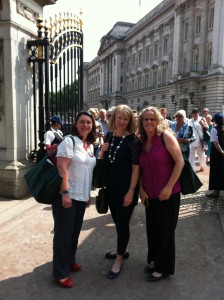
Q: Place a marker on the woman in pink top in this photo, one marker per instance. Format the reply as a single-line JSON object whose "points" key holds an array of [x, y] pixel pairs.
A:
{"points": [[161, 163]]}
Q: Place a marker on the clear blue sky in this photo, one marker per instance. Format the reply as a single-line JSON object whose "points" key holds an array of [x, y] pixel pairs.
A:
{"points": [[99, 16]]}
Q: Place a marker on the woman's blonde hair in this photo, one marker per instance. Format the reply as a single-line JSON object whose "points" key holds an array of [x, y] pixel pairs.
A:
{"points": [[159, 121], [128, 112]]}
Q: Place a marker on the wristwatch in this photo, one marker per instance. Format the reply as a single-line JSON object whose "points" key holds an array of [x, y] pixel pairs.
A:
{"points": [[65, 192]]}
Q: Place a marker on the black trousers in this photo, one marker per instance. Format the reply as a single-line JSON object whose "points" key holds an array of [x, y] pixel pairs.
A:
{"points": [[121, 216], [67, 227], [161, 221]]}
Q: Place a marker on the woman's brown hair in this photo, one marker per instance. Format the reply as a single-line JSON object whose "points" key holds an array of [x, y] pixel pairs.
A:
{"points": [[92, 135]]}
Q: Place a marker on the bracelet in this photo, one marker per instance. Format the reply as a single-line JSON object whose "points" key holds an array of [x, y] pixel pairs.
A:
{"points": [[65, 192]]}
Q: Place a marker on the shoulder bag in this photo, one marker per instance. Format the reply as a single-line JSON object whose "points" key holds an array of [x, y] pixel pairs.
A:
{"points": [[189, 181], [100, 179], [44, 180]]}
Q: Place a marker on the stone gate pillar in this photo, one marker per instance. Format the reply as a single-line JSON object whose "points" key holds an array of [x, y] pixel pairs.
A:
{"points": [[17, 25]]}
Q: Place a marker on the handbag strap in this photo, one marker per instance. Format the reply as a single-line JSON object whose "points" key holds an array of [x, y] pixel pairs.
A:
{"points": [[107, 140], [196, 128], [71, 137]]}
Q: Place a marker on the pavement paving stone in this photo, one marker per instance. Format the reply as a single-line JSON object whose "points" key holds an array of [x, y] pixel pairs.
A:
{"points": [[26, 253]]}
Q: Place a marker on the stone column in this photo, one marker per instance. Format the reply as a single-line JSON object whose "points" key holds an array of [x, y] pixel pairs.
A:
{"points": [[178, 40], [203, 34], [218, 37], [18, 25], [190, 38]]}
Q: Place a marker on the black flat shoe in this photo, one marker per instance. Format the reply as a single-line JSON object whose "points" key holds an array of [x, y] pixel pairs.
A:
{"points": [[148, 269], [113, 275], [152, 278], [213, 195], [113, 255]]}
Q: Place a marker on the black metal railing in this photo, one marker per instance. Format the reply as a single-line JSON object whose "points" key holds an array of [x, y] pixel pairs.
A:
{"points": [[57, 61]]}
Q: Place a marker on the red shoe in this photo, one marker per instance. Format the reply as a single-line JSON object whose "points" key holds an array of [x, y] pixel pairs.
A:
{"points": [[68, 283], [76, 267]]}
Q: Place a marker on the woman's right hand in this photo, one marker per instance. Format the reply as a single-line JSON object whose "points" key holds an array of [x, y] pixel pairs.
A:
{"points": [[66, 201], [143, 195], [105, 147]]}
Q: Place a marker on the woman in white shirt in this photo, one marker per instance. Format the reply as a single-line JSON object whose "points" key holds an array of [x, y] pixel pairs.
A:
{"points": [[75, 162]]}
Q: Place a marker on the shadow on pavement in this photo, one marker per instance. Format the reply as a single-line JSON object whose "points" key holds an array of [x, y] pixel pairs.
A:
{"points": [[26, 254]]}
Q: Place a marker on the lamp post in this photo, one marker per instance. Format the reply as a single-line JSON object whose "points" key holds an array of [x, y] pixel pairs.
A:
{"points": [[174, 101], [191, 95]]}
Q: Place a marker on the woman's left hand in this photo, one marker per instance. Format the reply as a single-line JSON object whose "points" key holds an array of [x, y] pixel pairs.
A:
{"points": [[165, 193], [128, 198], [88, 203]]}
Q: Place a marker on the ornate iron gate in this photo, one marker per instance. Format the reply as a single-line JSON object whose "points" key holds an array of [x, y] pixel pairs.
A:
{"points": [[57, 61]]}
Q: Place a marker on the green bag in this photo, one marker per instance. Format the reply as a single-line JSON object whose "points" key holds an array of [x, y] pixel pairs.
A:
{"points": [[189, 180], [44, 181]]}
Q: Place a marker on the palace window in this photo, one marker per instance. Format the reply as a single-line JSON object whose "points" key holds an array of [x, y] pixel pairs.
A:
{"points": [[147, 54], [198, 25], [186, 31], [139, 82], [154, 79], [209, 58], [146, 81], [165, 42], [185, 65], [164, 76], [155, 54], [128, 64], [133, 61], [139, 58], [211, 18], [196, 62]]}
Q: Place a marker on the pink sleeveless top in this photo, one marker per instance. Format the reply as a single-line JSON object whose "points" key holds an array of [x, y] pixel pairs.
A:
{"points": [[157, 166]]}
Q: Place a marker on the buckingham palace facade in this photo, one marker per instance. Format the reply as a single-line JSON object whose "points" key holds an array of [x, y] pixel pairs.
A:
{"points": [[173, 57]]}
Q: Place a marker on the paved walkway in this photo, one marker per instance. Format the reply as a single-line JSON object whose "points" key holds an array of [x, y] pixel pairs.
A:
{"points": [[26, 254]]}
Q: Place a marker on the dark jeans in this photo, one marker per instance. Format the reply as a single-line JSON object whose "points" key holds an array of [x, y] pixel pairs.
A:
{"points": [[121, 216], [67, 227], [161, 221], [97, 151]]}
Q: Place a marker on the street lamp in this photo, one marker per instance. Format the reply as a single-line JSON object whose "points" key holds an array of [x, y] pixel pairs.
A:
{"points": [[191, 95], [173, 100]]}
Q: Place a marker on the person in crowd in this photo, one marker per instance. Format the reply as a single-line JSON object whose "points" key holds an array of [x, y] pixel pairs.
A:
{"points": [[164, 113], [197, 123], [109, 112], [216, 173], [206, 112], [184, 132], [103, 121], [135, 115], [53, 138], [210, 126], [75, 163], [190, 116], [122, 170], [161, 163], [99, 132]]}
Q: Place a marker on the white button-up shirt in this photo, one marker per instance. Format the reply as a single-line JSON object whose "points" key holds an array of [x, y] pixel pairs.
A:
{"points": [[80, 169], [198, 131]]}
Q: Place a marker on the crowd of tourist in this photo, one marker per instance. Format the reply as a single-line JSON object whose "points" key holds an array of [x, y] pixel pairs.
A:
{"points": [[144, 155]]}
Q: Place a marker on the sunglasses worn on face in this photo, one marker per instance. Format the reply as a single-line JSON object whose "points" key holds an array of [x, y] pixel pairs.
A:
{"points": [[178, 116], [149, 119]]}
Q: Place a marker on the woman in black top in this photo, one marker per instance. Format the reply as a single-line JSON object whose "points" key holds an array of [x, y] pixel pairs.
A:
{"points": [[122, 169], [216, 174]]}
